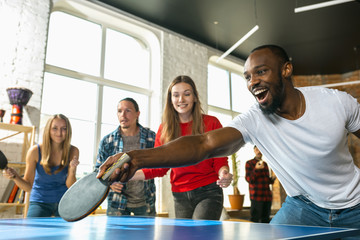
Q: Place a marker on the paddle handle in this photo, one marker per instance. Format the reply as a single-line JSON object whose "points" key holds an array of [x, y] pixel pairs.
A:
{"points": [[123, 159]]}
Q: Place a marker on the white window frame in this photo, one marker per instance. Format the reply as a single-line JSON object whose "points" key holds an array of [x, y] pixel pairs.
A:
{"points": [[246, 152], [109, 18], [115, 19]]}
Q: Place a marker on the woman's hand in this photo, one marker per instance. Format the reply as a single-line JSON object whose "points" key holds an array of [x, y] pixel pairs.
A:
{"points": [[225, 177], [73, 164]]}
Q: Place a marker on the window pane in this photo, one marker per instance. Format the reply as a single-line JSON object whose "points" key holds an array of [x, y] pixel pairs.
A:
{"points": [[126, 59], [79, 107], [218, 87], [69, 96], [111, 98], [83, 138], [245, 153], [242, 99], [74, 43]]}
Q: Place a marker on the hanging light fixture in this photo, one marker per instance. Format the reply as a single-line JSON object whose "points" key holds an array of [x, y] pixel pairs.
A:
{"points": [[246, 36], [241, 40], [320, 5]]}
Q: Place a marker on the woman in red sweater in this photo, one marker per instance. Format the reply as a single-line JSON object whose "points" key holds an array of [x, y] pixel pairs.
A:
{"points": [[197, 189]]}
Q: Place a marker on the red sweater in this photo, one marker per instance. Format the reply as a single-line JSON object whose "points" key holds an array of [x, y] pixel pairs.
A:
{"points": [[191, 177]]}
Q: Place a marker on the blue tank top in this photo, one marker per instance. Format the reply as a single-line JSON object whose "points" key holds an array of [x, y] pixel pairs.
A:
{"points": [[48, 188]]}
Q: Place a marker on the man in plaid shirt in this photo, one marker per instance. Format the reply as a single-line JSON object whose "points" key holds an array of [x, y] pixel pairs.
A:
{"points": [[257, 175], [137, 197]]}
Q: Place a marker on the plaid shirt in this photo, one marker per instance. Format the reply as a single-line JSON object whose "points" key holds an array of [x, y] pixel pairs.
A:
{"points": [[112, 144], [259, 181]]}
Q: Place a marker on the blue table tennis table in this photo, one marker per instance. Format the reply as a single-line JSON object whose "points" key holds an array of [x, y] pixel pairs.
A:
{"points": [[128, 228]]}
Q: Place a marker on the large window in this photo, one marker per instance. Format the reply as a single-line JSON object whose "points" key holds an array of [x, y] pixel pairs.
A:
{"points": [[90, 66], [227, 97]]}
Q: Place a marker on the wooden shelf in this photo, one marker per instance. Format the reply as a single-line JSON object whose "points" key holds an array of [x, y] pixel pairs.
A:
{"points": [[13, 204], [17, 164], [16, 127], [18, 206], [28, 141]]}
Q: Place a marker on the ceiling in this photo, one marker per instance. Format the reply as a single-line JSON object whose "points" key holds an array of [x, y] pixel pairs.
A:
{"points": [[321, 41]]}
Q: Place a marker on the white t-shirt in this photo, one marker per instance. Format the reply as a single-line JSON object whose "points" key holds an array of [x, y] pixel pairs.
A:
{"points": [[310, 155]]}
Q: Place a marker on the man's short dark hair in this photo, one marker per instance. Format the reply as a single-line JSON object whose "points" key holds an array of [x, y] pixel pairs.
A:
{"points": [[136, 106], [277, 50]]}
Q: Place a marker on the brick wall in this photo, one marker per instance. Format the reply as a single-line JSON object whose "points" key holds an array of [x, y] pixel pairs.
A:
{"points": [[184, 57], [24, 25], [22, 46]]}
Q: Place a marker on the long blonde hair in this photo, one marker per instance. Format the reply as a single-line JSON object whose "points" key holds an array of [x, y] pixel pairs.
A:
{"points": [[170, 118], [46, 145]]}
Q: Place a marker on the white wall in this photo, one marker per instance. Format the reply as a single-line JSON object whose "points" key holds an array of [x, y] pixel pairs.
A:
{"points": [[184, 57], [23, 25]]}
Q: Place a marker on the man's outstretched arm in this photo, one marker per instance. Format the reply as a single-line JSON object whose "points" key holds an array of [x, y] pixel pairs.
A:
{"points": [[183, 151]]}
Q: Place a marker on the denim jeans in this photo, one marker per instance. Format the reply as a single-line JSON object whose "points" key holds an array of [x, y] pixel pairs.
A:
{"points": [[301, 211], [39, 209], [139, 211], [201, 203]]}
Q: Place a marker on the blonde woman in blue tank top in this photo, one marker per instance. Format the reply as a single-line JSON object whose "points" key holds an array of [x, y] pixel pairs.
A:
{"points": [[50, 168]]}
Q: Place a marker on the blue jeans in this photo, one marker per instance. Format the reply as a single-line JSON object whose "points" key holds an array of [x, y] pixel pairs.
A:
{"points": [[201, 203], [39, 209], [301, 211], [139, 211]]}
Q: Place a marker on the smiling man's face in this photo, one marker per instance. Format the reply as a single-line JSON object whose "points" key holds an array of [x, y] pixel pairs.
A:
{"points": [[262, 72]]}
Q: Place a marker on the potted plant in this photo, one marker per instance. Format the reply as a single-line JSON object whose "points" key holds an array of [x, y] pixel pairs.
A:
{"points": [[236, 199]]}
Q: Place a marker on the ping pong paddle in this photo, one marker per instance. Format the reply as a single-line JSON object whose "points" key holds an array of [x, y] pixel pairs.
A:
{"points": [[86, 194], [3, 161]]}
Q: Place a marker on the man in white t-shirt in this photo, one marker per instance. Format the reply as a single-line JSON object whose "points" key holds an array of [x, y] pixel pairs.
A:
{"points": [[301, 131]]}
